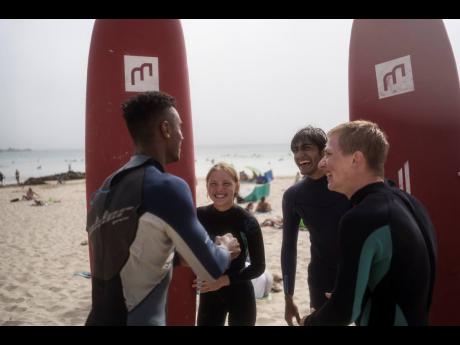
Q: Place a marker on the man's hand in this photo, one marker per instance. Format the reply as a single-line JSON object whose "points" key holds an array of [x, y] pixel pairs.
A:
{"points": [[291, 310], [205, 286], [231, 243], [312, 310]]}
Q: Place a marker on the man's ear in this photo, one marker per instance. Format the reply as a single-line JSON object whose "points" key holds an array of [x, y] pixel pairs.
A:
{"points": [[165, 129], [358, 158]]}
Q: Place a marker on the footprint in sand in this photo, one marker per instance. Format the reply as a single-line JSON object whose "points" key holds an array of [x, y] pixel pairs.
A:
{"points": [[12, 323], [15, 308], [11, 287], [55, 289], [5, 299], [54, 308]]}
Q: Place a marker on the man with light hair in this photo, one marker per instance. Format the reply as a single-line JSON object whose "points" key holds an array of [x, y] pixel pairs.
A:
{"points": [[387, 246]]}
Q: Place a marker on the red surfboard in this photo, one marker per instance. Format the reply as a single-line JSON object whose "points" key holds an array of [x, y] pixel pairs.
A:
{"points": [[403, 76], [128, 57]]}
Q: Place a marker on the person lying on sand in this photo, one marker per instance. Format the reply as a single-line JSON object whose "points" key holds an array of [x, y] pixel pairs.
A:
{"points": [[276, 222]]}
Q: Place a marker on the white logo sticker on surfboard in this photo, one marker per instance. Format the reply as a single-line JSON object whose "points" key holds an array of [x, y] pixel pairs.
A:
{"points": [[141, 73], [394, 77]]}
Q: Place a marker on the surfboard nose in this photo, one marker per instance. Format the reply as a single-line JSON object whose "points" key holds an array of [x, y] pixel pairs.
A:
{"points": [[128, 57]]}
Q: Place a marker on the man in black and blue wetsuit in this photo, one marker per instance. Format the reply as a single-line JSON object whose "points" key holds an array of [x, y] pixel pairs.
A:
{"points": [[321, 210], [387, 243], [140, 216]]}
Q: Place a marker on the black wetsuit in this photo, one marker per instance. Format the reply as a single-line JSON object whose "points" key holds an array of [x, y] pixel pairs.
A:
{"points": [[321, 211], [387, 262], [236, 299]]}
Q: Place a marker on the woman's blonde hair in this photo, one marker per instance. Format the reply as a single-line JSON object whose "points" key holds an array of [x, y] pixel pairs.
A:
{"points": [[229, 169]]}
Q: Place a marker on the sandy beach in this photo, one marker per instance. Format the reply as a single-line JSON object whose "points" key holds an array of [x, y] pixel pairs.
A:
{"points": [[41, 250]]}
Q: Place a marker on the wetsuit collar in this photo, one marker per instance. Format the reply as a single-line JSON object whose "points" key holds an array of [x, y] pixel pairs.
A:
{"points": [[360, 194], [217, 211], [322, 179], [140, 159]]}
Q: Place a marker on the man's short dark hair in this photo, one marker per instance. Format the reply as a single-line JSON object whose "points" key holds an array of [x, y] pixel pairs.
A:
{"points": [[141, 111], [316, 136]]}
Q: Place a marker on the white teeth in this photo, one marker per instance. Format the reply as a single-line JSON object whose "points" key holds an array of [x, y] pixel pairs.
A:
{"points": [[304, 162]]}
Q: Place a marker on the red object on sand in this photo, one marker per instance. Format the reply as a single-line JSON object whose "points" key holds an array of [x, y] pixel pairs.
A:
{"points": [[403, 76], [127, 57]]}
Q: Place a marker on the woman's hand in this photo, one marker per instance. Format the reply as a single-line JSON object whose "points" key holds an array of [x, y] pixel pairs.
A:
{"points": [[206, 286]]}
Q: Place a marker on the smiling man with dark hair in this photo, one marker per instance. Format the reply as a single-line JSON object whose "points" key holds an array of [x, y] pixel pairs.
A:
{"points": [[320, 209], [140, 217]]}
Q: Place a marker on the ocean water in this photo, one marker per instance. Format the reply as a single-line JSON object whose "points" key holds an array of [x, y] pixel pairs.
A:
{"points": [[40, 163], [276, 157]]}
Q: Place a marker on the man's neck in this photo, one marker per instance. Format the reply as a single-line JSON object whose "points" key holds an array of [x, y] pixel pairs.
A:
{"points": [[367, 180], [155, 154], [316, 175]]}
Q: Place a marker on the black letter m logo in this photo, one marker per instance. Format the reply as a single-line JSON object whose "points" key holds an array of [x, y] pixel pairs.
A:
{"points": [[141, 71], [393, 75]]}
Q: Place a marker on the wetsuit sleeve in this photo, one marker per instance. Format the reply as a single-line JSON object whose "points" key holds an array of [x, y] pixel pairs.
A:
{"points": [[255, 245], [171, 201], [359, 248], [420, 215], [291, 222]]}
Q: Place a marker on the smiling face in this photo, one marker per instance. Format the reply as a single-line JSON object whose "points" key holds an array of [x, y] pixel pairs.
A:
{"points": [[222, 189], [338, 167], [307, 156]]}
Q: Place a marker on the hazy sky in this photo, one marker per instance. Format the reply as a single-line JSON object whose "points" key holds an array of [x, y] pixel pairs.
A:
{"points": [[251, 81]]}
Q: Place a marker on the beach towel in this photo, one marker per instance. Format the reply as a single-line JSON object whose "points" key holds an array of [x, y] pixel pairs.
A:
{"points": [[258, 192]]}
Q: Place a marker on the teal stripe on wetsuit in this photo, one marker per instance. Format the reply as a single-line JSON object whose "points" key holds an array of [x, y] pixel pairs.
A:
{"points": [[387, 262], [377, 252]]}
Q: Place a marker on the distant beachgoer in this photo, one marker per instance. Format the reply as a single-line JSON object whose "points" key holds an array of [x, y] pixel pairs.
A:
{"points": [[60, 179], [239, 199], [17, 176], [1, 178], [277, 283], [249, 207], [262, 285], [30, 195], [244, 176], [263, 206], [70, 167], [266, 283], [39, 203], [276, 222]]}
